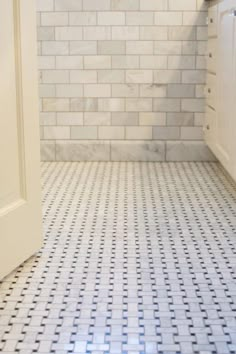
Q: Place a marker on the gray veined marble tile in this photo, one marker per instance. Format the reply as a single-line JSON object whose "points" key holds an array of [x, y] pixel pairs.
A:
{"points": [[82, 150], [138, 151], [188, 151], [47, 150]]}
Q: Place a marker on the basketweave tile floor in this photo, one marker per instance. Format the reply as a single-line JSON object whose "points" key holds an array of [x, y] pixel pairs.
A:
{"points": [[138, 258]]}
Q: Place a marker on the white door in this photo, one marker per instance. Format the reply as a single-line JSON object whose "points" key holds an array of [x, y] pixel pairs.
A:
{"points": [[20, 207], [225, 95]]}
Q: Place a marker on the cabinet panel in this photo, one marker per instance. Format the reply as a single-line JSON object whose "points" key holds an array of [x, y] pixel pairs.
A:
{"points": [[225, 85], [212, 21], [211, 90], [212, 55]]}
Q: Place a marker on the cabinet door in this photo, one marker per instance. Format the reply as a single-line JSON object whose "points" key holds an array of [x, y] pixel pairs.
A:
{"points": [[20, 207], [226, 84]]}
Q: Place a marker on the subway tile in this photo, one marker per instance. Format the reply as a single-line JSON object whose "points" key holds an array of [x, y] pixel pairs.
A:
{"points": [[111, 47], [182, 5], [83, 132], [109, 18], [83, 47], [166, 104], [166, 133], [45, 33], [153, 62], [55, 48], [111, 105], [55, 133], [138, 104], [152, 118], [68, 5], [180, 119], [69, 118], [181, 62], [47, 118], [97, 118], [86, 18], [56, 105], [193, 105], [47, 150], [181, 90], [154, 5], [68, 33], [54, 19], [101, 5], [182, 33], [83, 76], [46, 62], [125, 90], [97, 62], [138, 133], [168, 18], [44, 5], [125, 32], [47, 90], [125, 5], [111, 76], [125, 61], [139, 18], [111, 133], [124, 118], [166, 76], [167, 47], [97, 90], [153, 33], [139, 47], [139, 76], [69, 90], [55, 76], [153, 90], [97, 33], [194, 76], [69, 62], [84, 104], [191, 133]]}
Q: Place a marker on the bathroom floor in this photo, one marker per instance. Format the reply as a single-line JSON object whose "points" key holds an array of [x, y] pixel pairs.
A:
{"points": [[138, 258]]}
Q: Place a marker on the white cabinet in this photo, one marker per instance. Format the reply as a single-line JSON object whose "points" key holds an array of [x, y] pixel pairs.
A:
{"points": [[220, 125]]}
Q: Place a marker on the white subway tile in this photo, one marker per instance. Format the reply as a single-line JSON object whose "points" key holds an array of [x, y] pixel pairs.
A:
{"points": [[111, 76], [83, 47], [125, 5], [111, 133], [97, 33], [84, 133], [54, 18], [70, 118], [68, 5], [139, 18], [69, 62], [125, 32], [153, 33], [97, 90], [86, 18], [55, 48], [168, 18], [111, 47], [68, 33], [125, 61], [97, 62], [138, 104], [56, 133], [83, 76], [139, 47], [125, 90], [182, 5], [154, 5], [94, 5], [138, 133], [139, 76], [152, 118], [109, 18], [71, 90], [111, 105], [97, 118]]}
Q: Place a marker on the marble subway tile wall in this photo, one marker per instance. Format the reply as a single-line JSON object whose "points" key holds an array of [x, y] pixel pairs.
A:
{"points": [[122, 80]]}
